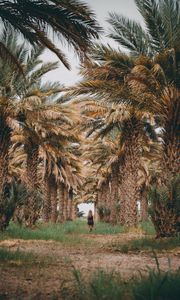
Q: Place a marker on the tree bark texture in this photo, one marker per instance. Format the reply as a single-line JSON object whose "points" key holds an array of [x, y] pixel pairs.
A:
{"points": [[5, 143], [53, 199], [129, 186], [32, 209], [61, 216]]}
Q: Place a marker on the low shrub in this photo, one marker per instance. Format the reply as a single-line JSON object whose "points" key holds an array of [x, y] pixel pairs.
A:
{"points": [[147, 244], [156, 285]]}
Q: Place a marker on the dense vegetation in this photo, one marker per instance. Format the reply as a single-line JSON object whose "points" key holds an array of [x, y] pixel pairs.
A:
{"points": [[112, 139]]}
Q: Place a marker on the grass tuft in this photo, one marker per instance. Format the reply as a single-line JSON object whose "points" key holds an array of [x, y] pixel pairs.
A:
{"points": [[147, 244], [147, 227], [10, 256], [156, 285], [66, 233]]}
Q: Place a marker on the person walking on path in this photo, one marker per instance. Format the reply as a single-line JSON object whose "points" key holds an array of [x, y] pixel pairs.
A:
{"points": [[90, 220]]}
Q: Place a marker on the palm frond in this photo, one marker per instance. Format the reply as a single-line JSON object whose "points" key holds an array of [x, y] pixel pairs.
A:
{"points": [[129, 34]]}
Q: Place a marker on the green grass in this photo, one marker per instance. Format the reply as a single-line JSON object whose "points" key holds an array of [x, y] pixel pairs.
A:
{"points": [[156, 285], [55, 232], [147, 227], [9, 256], [68, 233], [106, 228], [147, 244]]}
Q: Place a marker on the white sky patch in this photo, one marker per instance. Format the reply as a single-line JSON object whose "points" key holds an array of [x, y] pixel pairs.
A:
{"points": [[101, 9], [85, 207]]}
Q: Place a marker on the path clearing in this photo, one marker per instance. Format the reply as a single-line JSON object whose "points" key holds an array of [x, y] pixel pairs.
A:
{"points": [[39, 281]]}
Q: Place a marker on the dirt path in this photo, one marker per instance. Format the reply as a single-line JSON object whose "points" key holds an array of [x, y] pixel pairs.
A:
{"points": [[39, 281]]}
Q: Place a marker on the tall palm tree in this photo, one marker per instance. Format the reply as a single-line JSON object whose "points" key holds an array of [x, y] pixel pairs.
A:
{"points": [[160, 75], [69, 21], [103, 157], [42, 121], [104, 79]]}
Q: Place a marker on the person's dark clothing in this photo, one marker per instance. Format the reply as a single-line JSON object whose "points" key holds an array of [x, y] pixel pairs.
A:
{"points": [[90, 221]]}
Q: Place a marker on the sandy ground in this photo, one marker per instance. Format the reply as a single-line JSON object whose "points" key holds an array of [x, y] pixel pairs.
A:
{"points": [[45, 280]]}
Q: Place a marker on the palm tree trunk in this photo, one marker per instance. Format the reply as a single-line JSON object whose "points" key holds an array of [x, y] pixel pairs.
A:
{"points": [[114, 195], [103, 201], [96, 215], [131, 167], [53, 200], [73, 211], [32, 210], [47, 199], [61, 216], [70, 209], [5, 142], [66, 197], [122, 197], [171, 158]]}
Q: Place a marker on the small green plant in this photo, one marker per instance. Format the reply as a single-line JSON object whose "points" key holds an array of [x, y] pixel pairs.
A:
{"points": [[14, 195], [102, 285], [147, 227], [7, 255], [156, 285], [147, 244]]}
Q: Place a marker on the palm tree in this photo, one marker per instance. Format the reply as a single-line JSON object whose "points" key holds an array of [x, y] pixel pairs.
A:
{"points": [[69, 21], [103, 158], [60, 167], [104, 79], [158, 74], [161, 34], [42, 121]]}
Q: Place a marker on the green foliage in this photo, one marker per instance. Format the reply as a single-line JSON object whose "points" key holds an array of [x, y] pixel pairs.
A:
{"points": [[107, 228], [147, 244], [23, 211], [103, 211], [147, 227], [165, 207], [68, 232], [69, 21], [156, 285], [56, 232], [15, 194], [101, 286], [9, 256]]}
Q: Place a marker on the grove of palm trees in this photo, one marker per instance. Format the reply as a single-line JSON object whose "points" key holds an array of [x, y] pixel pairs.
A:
{"points": [[112, 139]]}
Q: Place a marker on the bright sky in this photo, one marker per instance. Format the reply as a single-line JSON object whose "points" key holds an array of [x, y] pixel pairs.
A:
{"points": [[85, 207], [101, 9]]}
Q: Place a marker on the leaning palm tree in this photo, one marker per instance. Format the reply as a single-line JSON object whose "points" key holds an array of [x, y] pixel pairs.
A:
{"points": [[69, 21]]}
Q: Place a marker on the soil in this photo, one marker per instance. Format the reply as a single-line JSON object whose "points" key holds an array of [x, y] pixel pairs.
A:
{"points": [[47, 276]]}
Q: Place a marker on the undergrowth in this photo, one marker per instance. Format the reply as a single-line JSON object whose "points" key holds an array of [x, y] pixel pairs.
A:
{"points": [[157, 285], [147, 244], [20, 256], [68, 232]]}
